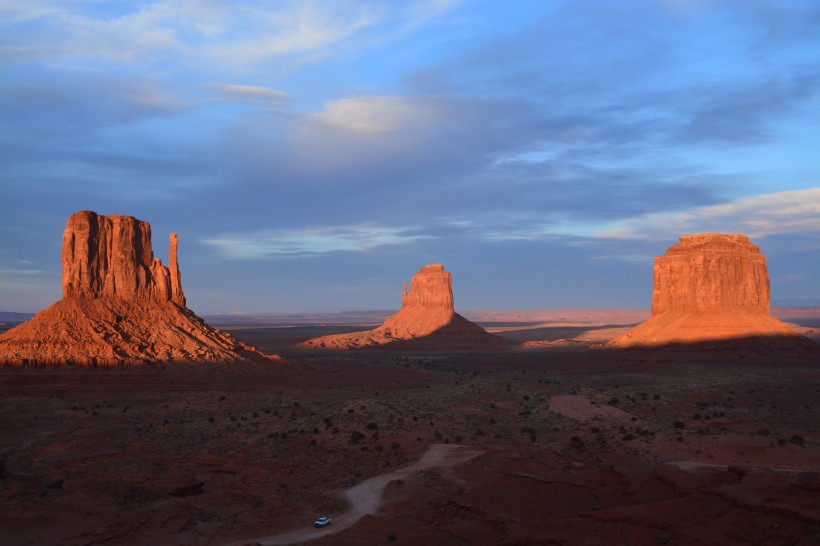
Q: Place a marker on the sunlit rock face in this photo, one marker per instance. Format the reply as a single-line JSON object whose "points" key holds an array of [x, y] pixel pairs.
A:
{"points": [[709, 287], [711, 272], [430, 288], [427, 318], [120, 305], [426, 307], [111, 256]]}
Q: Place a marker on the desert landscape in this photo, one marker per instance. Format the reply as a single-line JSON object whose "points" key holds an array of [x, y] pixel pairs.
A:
{"points": [[420, 272], [537, 428]]}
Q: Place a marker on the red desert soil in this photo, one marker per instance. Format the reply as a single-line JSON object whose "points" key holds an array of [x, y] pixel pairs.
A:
{"points": [[579, 447], [366, 498]]}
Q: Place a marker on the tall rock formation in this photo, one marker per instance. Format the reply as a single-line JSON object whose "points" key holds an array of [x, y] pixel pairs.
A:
{"points": [[427, 319], [710, 287], [120, 305], [111, 256], [711, 273]]}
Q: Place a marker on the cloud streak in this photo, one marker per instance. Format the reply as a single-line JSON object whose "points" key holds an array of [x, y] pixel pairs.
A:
{"points": [[310, 242], [789, 212]]}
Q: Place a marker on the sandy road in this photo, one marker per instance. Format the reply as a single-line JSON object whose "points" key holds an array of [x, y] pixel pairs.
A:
{"points": [[366, 497]]}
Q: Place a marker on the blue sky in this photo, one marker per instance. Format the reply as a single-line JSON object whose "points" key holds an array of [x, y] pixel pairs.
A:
{"points": [[313, 155]]}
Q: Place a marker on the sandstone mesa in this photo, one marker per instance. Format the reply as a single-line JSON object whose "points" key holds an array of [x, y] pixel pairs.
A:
{"points": [[427, 319], [710, 287], [120, 305]]}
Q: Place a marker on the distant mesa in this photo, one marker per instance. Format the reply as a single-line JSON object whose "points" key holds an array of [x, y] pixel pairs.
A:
{"points": [[120, 305], [427, 320], [710, 288]]}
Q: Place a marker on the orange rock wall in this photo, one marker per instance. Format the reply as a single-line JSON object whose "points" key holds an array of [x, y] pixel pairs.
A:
{"points": [[431, 287], [111, 256], [711, 273]]}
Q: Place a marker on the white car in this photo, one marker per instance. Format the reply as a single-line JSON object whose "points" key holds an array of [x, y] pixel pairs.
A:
{"points": [[321, 522]]}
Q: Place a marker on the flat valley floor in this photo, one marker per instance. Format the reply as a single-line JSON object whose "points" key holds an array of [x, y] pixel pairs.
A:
{"points": [[567, 445]]}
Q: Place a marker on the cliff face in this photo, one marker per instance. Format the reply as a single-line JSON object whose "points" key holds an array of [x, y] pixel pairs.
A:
{"points": [[120, 305], [427, 319], [430, 288], [111, 256], [711, 272], [710, 288]]}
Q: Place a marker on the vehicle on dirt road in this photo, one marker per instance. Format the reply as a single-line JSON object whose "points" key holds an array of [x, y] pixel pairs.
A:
{"points": [[321, 522]]}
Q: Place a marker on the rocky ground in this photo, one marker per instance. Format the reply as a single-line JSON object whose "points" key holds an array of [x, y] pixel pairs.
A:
{"points": [[580, 447]]}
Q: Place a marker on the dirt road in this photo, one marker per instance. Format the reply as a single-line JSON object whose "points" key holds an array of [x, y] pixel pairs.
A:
{"points": [[366, 497]]}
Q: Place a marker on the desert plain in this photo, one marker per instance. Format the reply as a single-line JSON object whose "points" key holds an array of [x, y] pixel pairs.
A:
{"points": [[570, 442]]}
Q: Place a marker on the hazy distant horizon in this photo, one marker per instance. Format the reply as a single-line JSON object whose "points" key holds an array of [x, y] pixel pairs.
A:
{"points": [[314, 155]]}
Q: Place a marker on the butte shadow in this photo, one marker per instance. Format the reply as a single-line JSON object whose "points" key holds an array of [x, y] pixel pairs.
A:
{"points": [[711, 294], [427, 320], [120, 305]]}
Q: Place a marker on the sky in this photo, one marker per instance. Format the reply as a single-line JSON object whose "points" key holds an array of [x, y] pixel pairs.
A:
{"points": [[313, 155]]}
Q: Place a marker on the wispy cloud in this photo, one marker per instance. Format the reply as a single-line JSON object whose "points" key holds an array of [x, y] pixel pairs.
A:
{"points": [[311, 241], [250, 94], [788, 212], [232, 33], [378, 114]]}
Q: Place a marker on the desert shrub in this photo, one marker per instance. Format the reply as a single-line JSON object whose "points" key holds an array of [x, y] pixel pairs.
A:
{"points": [[628, 437], [479, 432], [459, 438], [763, 432], [356, 437], [697, 416], [576, 442], [395, 446], [797, 440], [312, 442], [528, 430], [221, 398], [391, 537], [613, 401], [678, 424], [595, 430], [211, 419], [372, 426]]}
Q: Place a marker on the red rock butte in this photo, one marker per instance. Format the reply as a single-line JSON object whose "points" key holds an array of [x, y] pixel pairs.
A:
{"points": [[427, 319], [708, 288], [120, 305]]}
